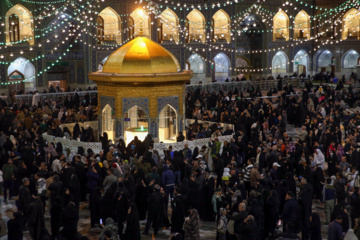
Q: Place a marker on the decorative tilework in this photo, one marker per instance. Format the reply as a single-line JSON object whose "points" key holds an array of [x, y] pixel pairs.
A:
{"points": [[80, 73], [104, 100], [3, 75], [128, 103], [99, 122], [119, 127], [181, 123], [172, 101], [154, 127], [72, 75]]}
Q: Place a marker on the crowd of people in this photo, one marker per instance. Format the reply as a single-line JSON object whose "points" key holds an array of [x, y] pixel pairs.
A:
{"points": [[260, 185]]}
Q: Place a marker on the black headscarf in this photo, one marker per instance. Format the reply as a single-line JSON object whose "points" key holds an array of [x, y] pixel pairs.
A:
{"points": [[315, 227]]}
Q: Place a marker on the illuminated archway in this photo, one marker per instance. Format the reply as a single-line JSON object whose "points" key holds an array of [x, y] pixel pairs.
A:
{"points": [[195, 27], [281, 26], [325, 59], [19, 25], [141, 23], [136, 124], [220, 26], [168, 124], [222, 66], [302, 25], [169, 26], [301, 62], [196, 64], [109, 26], [107, 121], [351, 24], [351, 59], [279, 63], [22, 69]]}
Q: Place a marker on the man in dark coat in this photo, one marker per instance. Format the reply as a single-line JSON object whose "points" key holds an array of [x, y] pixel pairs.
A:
{"points": [[24, 198], [122, 206], [355, 207], [305, 200], [290, 211], [178, 213], [155, 209], [36, 221], [239, 219], [249, 229], [81, 174], [15, 227], [70, 218]]}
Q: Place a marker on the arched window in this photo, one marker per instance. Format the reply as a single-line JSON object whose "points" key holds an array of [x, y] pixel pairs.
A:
{"points": [[19, 25], [279, 63], [351, 24], [302, 25], [141, 23], [22, 69], [100, 30], [301, 62], [222, 63], [196, 64], [281, 26], [351, 59], [325, 59], [169, 26], [195, 27], [222, 66], [14, 27], [168, 124], [220, 26], [109, 26]]}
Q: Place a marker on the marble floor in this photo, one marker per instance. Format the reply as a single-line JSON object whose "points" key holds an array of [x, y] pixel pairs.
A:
{"points": [[207, 229]]}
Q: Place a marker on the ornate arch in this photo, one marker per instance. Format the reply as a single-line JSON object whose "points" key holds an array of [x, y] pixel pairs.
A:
{"points": [[141, 102]]}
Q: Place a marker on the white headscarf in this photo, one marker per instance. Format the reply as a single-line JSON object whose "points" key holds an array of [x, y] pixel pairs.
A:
{"points": [[350, 235], [71, 155], [323, 112], [319, 158]]}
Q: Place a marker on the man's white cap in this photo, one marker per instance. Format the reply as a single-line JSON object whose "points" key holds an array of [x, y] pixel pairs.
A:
{"points": [[275, 164]]}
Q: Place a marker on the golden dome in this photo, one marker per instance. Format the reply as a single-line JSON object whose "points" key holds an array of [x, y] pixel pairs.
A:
{"points": [[140, 56]]}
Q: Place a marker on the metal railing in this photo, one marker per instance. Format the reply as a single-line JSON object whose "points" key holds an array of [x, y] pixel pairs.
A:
{"points": [[49, 98], [59, 97], [264, 85]]}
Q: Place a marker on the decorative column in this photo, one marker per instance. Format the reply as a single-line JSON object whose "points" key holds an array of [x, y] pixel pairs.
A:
{"points": [[133, 117], [119, 127]]}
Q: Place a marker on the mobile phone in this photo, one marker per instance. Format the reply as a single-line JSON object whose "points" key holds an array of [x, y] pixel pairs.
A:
{"points": [[101, 222], [279, 222]]}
